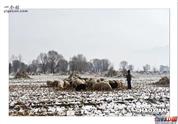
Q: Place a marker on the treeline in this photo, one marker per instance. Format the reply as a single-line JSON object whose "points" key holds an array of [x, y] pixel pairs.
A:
{"points": [[53, 62]]}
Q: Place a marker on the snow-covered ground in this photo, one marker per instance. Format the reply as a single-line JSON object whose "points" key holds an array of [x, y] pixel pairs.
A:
{"points": [[29, 97]]}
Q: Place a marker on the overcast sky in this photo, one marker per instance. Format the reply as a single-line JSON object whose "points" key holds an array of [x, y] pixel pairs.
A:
{"points": [[140, 36]]}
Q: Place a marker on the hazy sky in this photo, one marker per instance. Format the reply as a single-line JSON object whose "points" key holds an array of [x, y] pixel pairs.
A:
{"points": [[140, 36]]}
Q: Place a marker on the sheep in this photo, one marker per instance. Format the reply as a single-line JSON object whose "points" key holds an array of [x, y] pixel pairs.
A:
{"points": [[90, 83], [67, 85], [55, 83], [77, 82], [102, 86], [163, 81], [80, 87], [60, 84], [113, 84], [50, 83], [121, 86]]}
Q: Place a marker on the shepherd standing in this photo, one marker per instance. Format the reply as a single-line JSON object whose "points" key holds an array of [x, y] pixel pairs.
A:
{"points": [[129, 78]]}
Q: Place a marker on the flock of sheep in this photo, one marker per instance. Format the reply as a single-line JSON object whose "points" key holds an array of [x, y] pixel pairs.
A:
{"points": [[75, 82]]}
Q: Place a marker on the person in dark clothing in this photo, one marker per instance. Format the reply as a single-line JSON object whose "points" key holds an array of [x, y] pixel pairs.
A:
{"points": [[129, 78]]}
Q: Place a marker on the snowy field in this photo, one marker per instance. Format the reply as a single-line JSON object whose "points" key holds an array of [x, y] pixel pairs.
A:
{"points": [[30, 97]]}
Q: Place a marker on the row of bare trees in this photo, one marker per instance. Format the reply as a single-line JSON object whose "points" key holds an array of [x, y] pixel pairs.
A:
{"points": [[53, 62]]}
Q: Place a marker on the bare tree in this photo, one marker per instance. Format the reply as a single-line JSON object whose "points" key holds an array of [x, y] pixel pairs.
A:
{"points": [[53, 58], [105, 64], [100, 65], [43, 60], [154, 69], [96, 65], [90, 67], [123, 64], [146, 68], [78, 63], [62, 66], [123, 67], [130, 67], [33, 66], [16, 64]]}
